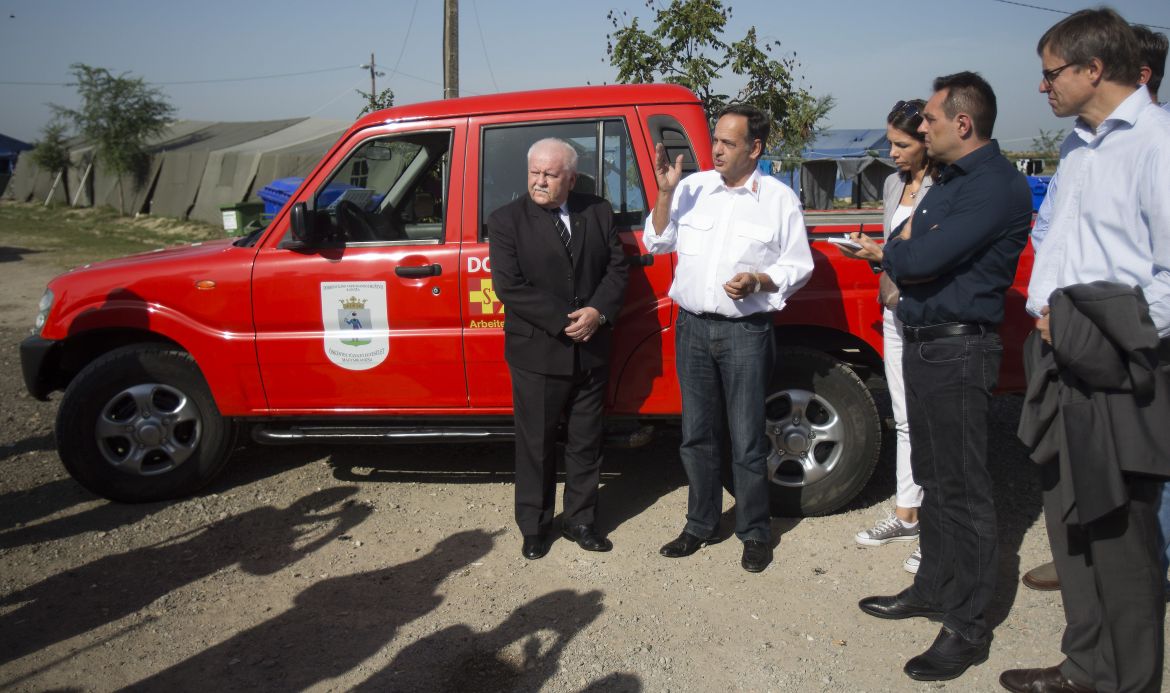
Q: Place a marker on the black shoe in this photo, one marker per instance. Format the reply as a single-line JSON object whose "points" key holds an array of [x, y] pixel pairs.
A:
{"points": [[898, 606], [756, 555], [947, 658], [684, 545], [586, 537], [535, 546], [1050, 680]]}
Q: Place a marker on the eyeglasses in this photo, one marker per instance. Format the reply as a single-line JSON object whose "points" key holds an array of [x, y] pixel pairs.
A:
{"points": [[1051, 75], [907, 109]]}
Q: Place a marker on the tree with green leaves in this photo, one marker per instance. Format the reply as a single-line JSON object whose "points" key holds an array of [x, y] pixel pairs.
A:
{"points": [[686, 46], [376, 102], [1047, 143], [51, 152], [118, 115]]}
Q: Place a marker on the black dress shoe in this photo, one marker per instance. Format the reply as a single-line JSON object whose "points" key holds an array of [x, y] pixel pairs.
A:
{"points": [[947, 658], [756, 555], [684, 545], [586, 537], [898, 606], [535, 546], [1050, 680]]}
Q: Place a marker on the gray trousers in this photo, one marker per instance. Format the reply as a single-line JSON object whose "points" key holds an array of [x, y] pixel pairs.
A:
{"points": [[1114, 605]]}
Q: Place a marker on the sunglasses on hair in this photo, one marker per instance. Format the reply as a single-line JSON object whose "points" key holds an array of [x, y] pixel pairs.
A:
{"points": [[905, 108]]}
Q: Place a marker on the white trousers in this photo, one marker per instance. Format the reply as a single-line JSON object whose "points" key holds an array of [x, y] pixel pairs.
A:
{"points": [[909, 494]]}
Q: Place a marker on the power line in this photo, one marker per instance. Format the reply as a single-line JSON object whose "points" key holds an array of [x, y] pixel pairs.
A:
{"points": [[486, 59], [402, 50], [1049, 9]]}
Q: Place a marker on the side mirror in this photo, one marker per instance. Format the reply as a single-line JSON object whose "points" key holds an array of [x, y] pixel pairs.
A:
{"points": [[307, 229]]}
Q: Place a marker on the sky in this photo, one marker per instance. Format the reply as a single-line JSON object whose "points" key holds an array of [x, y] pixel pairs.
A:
{"points": [[251, 60]]}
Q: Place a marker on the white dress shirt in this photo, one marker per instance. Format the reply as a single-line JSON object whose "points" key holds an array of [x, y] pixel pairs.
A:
{"points": [[1111, 212], [720, 232]]}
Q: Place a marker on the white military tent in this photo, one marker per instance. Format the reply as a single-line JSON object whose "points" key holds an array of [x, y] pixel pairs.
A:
{"points": [[194, 167]]}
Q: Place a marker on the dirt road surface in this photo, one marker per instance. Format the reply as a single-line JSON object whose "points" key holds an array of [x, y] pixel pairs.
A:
{"points": [[399, 569]]}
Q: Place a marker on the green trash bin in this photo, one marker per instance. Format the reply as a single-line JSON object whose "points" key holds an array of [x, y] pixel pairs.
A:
{"points": [[242, 218]]}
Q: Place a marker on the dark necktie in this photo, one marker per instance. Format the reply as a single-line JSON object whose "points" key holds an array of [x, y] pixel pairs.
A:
{"points": [[562, 231]]}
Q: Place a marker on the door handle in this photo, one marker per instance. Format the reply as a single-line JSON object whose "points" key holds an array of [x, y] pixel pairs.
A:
{"points": [[419, 271]]}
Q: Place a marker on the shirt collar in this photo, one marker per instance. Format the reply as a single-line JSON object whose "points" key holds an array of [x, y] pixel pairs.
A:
{"points": [[1126, 113], [970, 161], [751, 186]]}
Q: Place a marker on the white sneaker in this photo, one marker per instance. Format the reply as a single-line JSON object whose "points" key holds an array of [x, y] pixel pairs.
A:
{"points": [[913, 561], [889, 529]]}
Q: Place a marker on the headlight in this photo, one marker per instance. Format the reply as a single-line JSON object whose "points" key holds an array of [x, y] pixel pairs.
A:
{"points": [[43, 309]]}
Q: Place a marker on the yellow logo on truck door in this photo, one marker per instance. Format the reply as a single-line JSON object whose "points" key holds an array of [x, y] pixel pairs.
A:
{"points": [[483, 301]]}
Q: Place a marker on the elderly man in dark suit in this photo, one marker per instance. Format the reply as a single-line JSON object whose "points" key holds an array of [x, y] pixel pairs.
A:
{"points": [[558, 267]]}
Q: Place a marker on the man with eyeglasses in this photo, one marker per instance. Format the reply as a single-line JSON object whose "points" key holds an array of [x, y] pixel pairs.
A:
{"points": [[953, 261], [1100, 434]]}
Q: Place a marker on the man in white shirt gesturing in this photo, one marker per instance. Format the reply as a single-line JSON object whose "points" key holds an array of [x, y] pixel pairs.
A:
{"points": [[742, 252]]}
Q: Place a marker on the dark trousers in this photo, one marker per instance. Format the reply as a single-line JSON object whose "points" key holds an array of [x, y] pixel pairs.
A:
{"points": [[949, 382], [723, 370], [1111, 587], [539, 401]]}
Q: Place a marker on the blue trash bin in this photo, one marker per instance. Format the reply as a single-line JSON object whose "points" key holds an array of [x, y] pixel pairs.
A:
{"points": [[1039, 185]]}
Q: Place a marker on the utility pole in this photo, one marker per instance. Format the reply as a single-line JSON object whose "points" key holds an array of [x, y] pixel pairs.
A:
{"points": [[450, 49], [374, 74]]}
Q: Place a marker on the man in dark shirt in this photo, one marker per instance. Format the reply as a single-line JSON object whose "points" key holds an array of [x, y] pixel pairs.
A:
{"points": [[953, 261]]}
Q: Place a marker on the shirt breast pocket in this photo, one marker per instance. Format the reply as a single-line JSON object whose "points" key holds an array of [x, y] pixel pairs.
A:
{"points": [[752, 240], [693, 231]]}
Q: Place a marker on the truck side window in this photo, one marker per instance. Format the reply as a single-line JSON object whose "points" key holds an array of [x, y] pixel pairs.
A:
{"points": [[391, 189], [606, 166]]}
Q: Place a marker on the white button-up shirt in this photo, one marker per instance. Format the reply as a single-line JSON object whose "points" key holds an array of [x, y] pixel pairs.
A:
{"points": [[1111, 212], [720, 231]]}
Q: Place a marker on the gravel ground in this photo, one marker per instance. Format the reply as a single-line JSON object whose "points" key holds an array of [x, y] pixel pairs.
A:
{"points": [[398, 568]]}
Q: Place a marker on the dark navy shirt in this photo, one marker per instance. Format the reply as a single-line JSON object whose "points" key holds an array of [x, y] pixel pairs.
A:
{"points": [[966, 238]]}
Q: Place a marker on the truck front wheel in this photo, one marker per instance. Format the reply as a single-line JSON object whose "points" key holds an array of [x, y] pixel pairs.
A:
{"points": [[824, 430], [139, 424]]}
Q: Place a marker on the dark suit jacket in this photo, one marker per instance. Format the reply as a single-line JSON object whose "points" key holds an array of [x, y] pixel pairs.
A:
{"points": [[1098, 400], [533, 276]]}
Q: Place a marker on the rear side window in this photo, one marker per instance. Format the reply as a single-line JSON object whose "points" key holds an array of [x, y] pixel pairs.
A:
{"points": [[606, 166]]}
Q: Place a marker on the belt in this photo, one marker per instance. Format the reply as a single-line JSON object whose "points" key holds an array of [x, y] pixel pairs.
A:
{"points": [[946, 329], [718, 317]]}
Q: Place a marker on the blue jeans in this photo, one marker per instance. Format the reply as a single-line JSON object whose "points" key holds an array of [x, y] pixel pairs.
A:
{"points": [[949, 382], [723, 371]]}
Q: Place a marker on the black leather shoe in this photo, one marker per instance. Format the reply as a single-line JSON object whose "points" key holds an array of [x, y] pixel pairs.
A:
{"points": [[684, 545], [756, 555], [586, 537], [1049, 680], [947, 658], [535, 546], [898, 606]]}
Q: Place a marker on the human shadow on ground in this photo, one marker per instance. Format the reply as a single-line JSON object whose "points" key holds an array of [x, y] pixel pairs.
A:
{"points": [[334, 625], [260, 541], [458, 659], [632, 480], [249, 464], [38, 443]]}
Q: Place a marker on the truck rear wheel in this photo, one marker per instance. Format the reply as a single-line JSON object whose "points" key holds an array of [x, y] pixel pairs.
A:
{"points": [[825, 434], [139, 424]]}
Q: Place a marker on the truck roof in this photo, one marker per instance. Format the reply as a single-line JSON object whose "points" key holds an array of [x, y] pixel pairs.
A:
{"points": [[539, 100]]}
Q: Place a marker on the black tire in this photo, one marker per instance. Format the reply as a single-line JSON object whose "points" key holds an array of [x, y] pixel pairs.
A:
{"points": [[139, 424], [819, 407]]}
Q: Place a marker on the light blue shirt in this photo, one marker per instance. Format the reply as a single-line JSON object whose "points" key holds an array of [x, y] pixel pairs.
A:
{"points": [[1110, 215]]}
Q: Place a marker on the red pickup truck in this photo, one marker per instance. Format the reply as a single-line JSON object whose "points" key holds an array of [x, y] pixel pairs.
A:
{"points": [[365, 311]]}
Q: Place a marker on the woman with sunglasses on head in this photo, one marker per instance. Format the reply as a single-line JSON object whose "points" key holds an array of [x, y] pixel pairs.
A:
{"points": [[904, 189]]}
